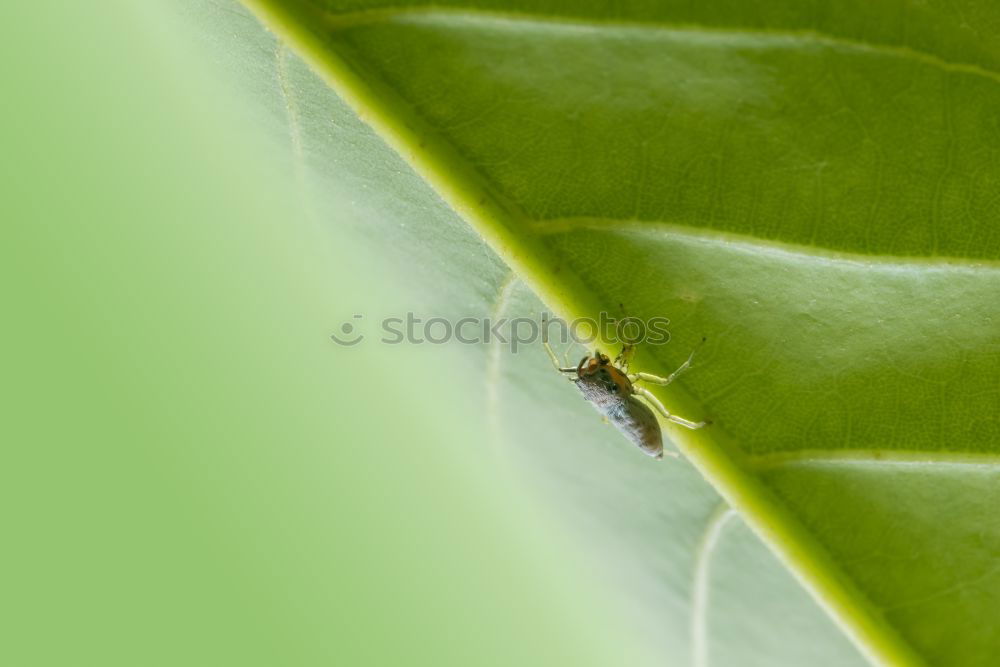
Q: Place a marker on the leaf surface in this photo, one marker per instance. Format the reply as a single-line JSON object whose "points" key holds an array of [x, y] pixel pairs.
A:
{"points": [[813, 192]]}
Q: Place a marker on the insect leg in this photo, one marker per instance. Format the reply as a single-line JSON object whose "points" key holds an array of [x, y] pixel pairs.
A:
{"points": [[655, 402], [625, 356], [656, 379], [555, 360]]}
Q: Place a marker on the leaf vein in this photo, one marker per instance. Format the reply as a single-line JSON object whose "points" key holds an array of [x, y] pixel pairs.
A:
{"points": [[752, 37]]}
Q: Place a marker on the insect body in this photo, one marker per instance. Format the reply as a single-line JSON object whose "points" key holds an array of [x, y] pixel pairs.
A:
{"points": [[612, 390]]}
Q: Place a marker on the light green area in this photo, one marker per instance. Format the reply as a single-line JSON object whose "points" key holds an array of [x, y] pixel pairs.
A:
{"points": [[813, 191], [192, 473]]}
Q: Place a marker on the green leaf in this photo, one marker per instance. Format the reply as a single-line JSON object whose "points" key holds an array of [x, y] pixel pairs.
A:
{"points": [[813, 192]]}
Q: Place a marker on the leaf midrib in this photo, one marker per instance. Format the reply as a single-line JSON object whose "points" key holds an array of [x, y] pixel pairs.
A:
{"points": [[508, 231]]}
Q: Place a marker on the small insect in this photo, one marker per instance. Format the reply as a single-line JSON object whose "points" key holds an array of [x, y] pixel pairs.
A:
{"points": [[612, 390]]}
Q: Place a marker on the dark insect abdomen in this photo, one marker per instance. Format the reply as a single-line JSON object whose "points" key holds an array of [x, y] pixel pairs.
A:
{"points": [[631, 416]]}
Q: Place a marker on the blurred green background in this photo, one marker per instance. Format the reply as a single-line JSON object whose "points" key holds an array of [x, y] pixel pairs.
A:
{"points": [[192, 472]]}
